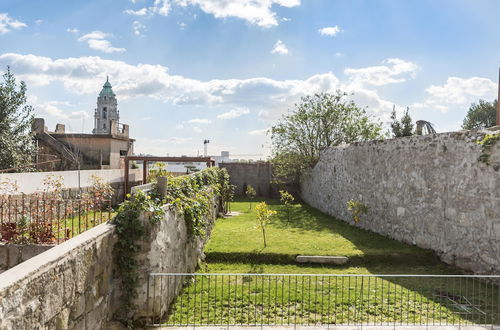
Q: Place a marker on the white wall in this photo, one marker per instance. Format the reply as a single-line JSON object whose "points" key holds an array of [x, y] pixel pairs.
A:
{"points": [[29, 183]]}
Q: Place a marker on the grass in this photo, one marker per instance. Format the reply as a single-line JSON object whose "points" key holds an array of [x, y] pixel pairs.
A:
{"points": [[236, 247]]}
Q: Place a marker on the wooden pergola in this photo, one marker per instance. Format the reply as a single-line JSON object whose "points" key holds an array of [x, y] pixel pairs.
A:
{"points": [[147, 159]]}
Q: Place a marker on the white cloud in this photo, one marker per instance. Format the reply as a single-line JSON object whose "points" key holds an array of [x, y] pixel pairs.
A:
{"points": [[235, 113], [197, 129], [98, 40], [257, 12], [179, 126], [263, 114], [52, 109], [8, 23], [199, 121], [39, 21], [73, 30], [279, 48], [259, 131], [138, 28], [459, 92], [140, 12], [329, 31], [84, 75], [339, 54], [394, 70]]}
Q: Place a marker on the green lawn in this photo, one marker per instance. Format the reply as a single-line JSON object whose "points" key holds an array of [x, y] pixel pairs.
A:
{"points": [[238, 241], [236, 247]]}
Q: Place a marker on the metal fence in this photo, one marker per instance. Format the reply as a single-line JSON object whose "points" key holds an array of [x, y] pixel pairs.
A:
{"points": [[28, 220], [321, 300]]}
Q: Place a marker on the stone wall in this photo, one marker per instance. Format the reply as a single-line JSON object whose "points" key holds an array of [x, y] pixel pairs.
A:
{"points": [[430, 191], [14, 254], [258, 175], [67, 287], [73, 285]]}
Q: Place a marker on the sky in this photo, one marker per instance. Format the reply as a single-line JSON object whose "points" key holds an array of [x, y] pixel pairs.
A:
{"points": [[189, 70]]}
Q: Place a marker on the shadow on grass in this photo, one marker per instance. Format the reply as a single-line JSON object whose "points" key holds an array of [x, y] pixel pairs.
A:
{"points": [[398, 259]]}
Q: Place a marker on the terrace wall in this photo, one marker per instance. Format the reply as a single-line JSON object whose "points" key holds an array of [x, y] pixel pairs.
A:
{"points": [[74, 285], [430, 191]]}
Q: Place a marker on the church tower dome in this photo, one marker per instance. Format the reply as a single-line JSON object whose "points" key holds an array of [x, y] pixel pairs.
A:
{"points": [[106, 111]]}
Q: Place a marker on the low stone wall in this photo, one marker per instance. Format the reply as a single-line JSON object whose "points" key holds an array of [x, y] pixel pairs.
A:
{"points": [[73, 285], [168, 248], [258, 175], [67, 287], [13, 254], [430, 191]]}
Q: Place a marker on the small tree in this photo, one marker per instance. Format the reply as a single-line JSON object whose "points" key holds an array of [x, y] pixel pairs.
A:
{"points": [[286, 199], [357, 209], [250, 193], [264, 217], [481, 115], [403, 127]]}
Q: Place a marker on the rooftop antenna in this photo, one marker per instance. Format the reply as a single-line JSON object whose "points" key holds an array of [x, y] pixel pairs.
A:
{"points": [[205, 147]]}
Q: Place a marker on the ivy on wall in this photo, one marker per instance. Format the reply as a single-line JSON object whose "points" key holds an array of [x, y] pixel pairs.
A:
{"points": [[487, 143], [189, 194]]}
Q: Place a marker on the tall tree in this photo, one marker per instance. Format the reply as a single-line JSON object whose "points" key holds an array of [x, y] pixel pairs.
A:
{"points": [[403, 127], [319, 121], [17, 147], [481, 115]]}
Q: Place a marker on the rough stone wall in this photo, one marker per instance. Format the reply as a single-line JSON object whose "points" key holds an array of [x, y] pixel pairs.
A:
{"points": [[73, 285], [67, 287], [14, 254], [430, 191], [258, 175], [168, 248]]}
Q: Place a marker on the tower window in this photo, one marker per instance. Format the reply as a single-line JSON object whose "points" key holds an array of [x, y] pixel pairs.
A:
{"points": [[104, 125], [104, 113]]}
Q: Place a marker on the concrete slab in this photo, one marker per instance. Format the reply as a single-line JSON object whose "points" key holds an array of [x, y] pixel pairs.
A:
{"points": [[328, 260]]}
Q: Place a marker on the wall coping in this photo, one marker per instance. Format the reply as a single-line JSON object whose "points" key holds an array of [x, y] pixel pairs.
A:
{"points": [[40, 263]]}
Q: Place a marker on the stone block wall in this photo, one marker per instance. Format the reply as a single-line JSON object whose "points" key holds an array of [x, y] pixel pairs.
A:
{"points": [[430, 191], [74, 285], [67, 287], [258, 175], [14, 254]]}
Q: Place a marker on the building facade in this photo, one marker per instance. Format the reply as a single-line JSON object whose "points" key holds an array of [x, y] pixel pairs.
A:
{"points": [[103, 149]]}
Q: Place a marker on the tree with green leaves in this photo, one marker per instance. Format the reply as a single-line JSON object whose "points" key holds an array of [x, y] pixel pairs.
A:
{"points": [[287, 199], [481, 115], [250, 193], [403, 127], [319, 121], [17, 146], [264, 215]]}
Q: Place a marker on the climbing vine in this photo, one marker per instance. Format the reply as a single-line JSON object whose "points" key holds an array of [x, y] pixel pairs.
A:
{"points": [[189, 194], [487, 143], [130, 230]]}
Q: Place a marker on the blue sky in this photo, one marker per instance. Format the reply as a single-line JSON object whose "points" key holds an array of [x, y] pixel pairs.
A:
{"points": [[188, 70]]}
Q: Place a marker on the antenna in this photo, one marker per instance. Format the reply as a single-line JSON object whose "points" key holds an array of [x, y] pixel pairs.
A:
{"points": [[205, 147]]}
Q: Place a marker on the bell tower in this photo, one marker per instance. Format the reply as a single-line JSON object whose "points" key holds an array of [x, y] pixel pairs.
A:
{"points": [[106, 111]]}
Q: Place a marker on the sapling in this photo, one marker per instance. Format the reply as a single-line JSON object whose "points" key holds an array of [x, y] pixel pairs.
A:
{"points": [[286, 199], [264, 217], [250, 193]]}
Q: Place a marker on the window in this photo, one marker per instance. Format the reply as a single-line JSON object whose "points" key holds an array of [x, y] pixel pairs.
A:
{"points": [[123, 152], [104, 125], [104, 113]]}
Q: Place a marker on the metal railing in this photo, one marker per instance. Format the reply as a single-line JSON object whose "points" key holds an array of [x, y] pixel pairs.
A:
{"points": [[31, 220], [291, 300]]}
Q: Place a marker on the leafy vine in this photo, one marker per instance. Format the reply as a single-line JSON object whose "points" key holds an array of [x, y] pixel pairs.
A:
{"points": [[487, 143], [189, 194]]}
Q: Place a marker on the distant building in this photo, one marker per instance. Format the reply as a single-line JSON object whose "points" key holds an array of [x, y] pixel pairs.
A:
{"points": [[110, 140]]}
